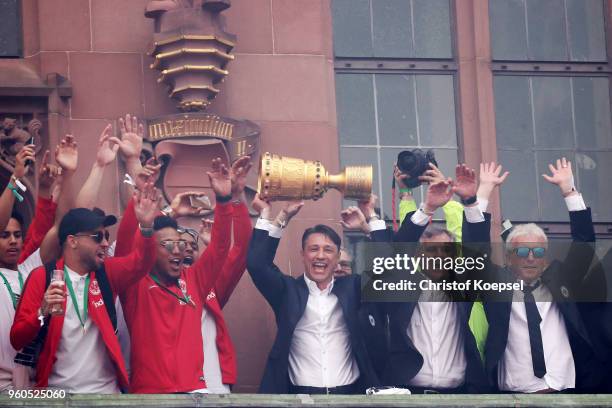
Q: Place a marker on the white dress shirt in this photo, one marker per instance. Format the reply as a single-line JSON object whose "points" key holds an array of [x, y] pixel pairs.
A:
{"points": [[82, 364], [7, 314], [320, 354], [436, 333], [515, 371]]}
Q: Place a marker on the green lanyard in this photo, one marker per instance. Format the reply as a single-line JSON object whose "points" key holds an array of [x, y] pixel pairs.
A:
{"points": [[185, 299], [73, 297], [8, 286]]}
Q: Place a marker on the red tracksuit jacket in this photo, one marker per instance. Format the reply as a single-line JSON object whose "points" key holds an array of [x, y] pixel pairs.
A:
{"points": [[233, 269], [122, 273], [165, 334]]}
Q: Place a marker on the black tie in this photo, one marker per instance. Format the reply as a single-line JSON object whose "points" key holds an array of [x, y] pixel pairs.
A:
{"points": [[535, 335]]}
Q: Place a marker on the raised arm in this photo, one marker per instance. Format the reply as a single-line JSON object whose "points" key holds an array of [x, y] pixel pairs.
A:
{"points": [[129, 224], [580, 216], [127, 270], [266, 276], [106, 154], [44, 214], [66, 157], [7, 199], [210, 264], [235, 264]]}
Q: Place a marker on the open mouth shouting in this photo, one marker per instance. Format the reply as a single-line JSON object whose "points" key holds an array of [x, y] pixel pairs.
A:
{"points": [[176, 263]]}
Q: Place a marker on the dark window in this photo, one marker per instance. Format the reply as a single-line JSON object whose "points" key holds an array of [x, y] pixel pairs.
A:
{"points": [[10, 29]]}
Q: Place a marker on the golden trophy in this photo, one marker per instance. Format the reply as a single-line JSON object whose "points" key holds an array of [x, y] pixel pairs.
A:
{"points": [[287, 178]]}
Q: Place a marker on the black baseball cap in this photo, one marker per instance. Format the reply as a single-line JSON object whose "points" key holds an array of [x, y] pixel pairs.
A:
{"points": [[82, 220]]}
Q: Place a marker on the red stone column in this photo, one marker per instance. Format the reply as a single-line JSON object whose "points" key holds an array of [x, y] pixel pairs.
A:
{"points": [[476, 99]]}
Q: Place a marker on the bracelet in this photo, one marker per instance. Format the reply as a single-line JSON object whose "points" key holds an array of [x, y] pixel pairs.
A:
{"points": [[405, 190], [469, 201], [374, 217], [146, 232], [223, 199], [18, 196], [18, 183]]}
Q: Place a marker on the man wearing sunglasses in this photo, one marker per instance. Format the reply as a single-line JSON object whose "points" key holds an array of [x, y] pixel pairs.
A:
{"points": [[537, 341], [163, 312], [81, 353]]}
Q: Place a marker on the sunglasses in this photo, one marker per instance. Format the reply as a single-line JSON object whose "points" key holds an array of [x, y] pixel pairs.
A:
{"points": [[523, 252], [98, 237], [170, 245], [193, 233]]}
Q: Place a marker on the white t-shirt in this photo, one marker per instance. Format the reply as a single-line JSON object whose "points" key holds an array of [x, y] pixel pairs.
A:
{"points": [[82, 364], [7, 314]]}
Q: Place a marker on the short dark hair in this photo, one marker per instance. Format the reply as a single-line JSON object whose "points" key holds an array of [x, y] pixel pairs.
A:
{"points": [[325, 230], [18, 217], [433, 230], [163, 221]]}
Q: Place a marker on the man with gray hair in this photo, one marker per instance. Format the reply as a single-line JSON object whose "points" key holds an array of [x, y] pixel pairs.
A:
{"points": [[537, 341]]}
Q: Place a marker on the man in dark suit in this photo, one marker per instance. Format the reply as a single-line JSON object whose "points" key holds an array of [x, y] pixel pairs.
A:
{"points": [[537, 340], [319, 346], [431, 347]]}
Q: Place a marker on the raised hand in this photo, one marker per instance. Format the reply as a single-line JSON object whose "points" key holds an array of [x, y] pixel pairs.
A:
{"points": [[132, 134], [352, 218], [368, 207], [400, 178], [148, 173], [66, 154], [47, 175], [108, 145], [146, 205], [438, 194], [261, 206], [491, 176], [26, 153], [238, 175], [290, 210], [433, 175], [465, 185], [562, 176], [181, 205], [206, 230], [219, 177]]}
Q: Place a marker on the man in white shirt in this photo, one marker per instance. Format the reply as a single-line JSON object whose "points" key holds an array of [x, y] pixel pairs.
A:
{"points": [[432, 348], [319, 347], [537, 341]]}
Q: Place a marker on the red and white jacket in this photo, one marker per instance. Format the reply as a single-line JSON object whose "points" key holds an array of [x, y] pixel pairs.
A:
{"points": [[122, 273], [233, 269]]}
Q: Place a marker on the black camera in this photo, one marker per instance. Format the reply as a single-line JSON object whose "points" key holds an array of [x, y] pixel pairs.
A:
{"points": [[414, 163]]}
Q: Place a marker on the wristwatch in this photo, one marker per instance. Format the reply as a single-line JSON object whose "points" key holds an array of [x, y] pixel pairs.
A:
{"points": [[146, 232], [469, 201]]}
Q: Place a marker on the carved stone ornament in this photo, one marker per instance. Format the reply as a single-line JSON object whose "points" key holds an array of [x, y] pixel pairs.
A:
{"points": [[191, 49], [186, 144], [13, 138]]}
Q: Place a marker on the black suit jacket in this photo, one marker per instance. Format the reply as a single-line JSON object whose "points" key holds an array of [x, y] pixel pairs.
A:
{"points": [[404, 361], [288, 297], [566, 282]]}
